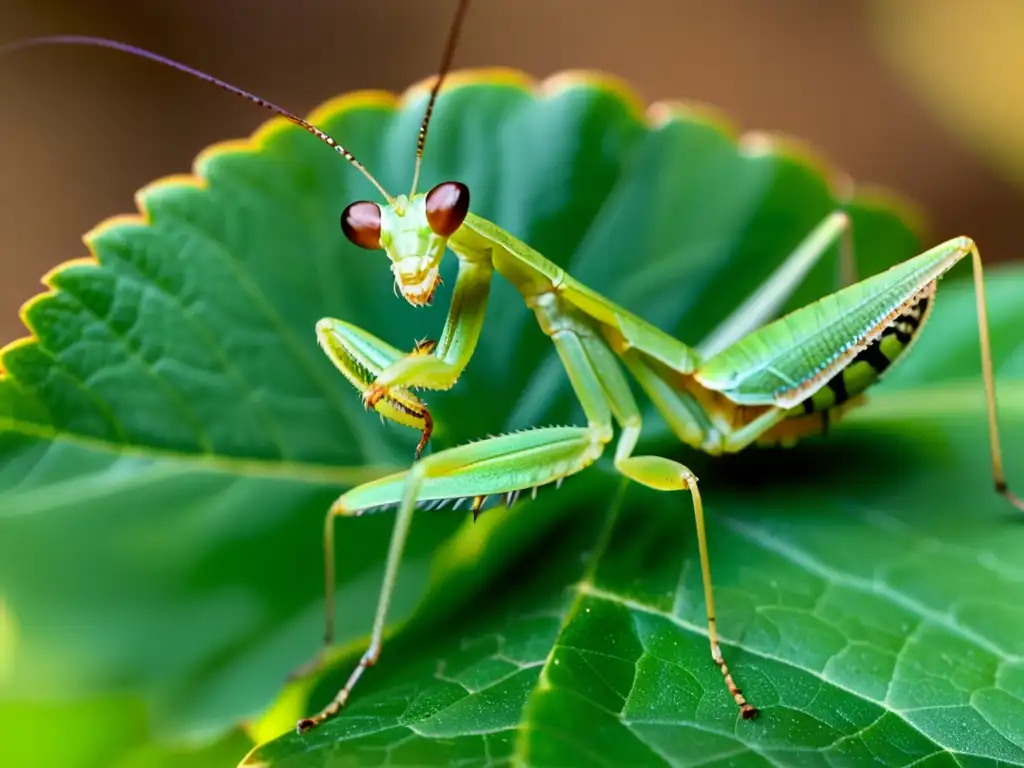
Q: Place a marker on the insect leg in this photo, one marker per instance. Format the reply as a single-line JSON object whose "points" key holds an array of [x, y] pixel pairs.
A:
{"points": [[361, 356], [762, 305], [691, 416], [995, 449], [502, 464], [498, 465], [441, 368], [661, 474]]}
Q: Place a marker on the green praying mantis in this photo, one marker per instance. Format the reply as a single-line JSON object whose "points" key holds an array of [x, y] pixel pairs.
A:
{"points": [[756, 379]]}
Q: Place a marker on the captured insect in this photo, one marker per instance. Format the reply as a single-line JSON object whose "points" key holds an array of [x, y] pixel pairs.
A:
{"points": [[757, 379]]}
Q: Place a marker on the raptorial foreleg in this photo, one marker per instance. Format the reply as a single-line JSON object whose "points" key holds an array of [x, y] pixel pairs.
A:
{"points": [[441, 367], [361, 356]]}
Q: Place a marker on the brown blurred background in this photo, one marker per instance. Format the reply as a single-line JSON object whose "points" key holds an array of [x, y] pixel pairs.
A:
{"points": [[82, 129]]}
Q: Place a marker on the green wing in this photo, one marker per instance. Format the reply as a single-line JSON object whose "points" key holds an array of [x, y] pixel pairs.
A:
{"points": [[791, 358]]}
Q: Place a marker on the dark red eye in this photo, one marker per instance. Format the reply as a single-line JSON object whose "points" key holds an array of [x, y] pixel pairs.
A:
{"points": [[361, 224], [447, 206]]}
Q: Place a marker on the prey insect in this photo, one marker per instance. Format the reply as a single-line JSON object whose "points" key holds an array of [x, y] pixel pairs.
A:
{"points": [[757, 378]]}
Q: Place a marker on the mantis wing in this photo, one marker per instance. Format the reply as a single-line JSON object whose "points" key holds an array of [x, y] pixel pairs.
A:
{"points": [[790, 359]]}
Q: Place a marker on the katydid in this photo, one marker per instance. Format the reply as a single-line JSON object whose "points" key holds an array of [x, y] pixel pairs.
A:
{"points": [[755, 379]]}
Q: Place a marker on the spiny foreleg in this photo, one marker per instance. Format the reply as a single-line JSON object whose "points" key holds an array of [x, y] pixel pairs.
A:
{"points": [[441, 364], [361, 356]]}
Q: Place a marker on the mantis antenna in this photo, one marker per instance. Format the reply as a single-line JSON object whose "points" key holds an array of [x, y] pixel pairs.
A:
{"points": [[446, 63], [104, 43]]}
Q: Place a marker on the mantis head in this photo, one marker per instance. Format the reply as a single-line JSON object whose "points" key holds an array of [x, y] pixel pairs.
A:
{"points": [[412, 229], [414, 233]]}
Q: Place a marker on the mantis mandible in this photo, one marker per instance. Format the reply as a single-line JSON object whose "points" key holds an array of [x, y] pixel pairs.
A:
{"points": [[754, 380]]}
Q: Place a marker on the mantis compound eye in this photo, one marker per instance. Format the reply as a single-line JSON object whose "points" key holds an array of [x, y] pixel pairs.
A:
{"points": [[361, 224], [447, 206]]}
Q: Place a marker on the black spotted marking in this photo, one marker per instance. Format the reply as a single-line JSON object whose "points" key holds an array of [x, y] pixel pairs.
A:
{"points": [[913, 315], [872, 361], [838, 386], [873, 355]]}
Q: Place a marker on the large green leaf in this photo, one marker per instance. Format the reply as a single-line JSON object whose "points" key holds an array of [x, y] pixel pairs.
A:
{"points": [[172, 437]]}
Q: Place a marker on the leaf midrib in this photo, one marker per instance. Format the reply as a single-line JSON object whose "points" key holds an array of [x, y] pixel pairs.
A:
{"points": [[307, 472], [924, 402]]}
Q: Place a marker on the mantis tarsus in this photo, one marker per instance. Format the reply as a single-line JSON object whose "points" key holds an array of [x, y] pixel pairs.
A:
{"points": [[756, 379]]}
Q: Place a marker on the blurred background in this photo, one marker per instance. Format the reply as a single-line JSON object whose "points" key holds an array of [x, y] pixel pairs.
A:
{"points": [[916, 95]]}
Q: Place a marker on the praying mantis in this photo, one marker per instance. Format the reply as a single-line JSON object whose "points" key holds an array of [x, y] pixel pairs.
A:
{"points": [[756, 379]]}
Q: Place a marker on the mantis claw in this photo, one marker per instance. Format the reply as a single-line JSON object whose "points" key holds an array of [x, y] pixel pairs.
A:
{"points": [[428, 428], [378, 393], [424, 347]]}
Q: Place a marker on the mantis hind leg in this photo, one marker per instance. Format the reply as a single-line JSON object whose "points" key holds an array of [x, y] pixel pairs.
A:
{"points": [[995, 446]]}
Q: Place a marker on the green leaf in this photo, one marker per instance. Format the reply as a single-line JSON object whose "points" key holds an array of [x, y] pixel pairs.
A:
{"points": [[172, 436]]}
